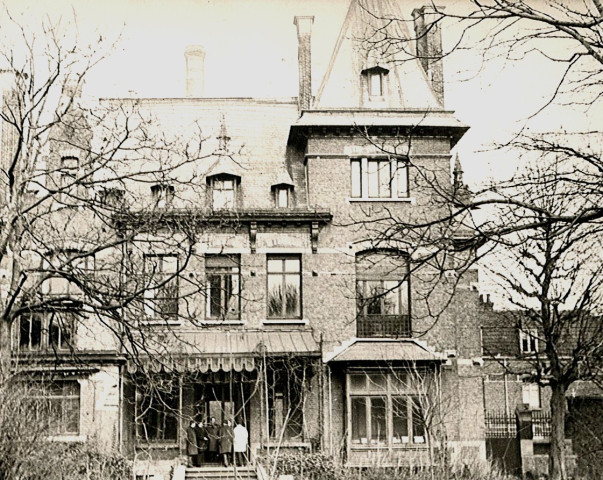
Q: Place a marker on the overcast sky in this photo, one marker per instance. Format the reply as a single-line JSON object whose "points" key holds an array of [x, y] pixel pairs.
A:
{"points": [[251, 51]]}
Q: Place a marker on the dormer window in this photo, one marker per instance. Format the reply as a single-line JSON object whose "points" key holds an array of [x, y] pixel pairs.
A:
{"points": [[163, 195], [223, 192], [375, 78], [281, 196], [375, 84]]}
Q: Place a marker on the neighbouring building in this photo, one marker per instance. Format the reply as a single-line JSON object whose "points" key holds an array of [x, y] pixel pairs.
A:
{"points": [[260, 284]]}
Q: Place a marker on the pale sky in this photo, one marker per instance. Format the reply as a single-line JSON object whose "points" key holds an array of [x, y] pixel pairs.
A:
{"points": [[251, 50]]}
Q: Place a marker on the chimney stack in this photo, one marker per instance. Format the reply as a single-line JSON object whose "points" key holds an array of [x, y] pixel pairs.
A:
{"points": [[195, 70], [304, 34], [429, 46]]}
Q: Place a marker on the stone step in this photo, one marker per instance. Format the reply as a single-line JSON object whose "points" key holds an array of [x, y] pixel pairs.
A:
{"points": [[220, 473]]}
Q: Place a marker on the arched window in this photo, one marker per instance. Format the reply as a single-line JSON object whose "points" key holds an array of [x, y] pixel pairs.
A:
{"points": [[382, 294]]}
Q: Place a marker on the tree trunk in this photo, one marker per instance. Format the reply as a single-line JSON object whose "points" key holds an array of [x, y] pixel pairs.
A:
{"points": [[4, 350], [557, 469]]}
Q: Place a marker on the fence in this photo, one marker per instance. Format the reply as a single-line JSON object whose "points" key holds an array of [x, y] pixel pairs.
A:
{"points": [[541, 424], [500, 425]]}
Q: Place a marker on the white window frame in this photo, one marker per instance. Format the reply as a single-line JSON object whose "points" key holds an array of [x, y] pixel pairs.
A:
{"points": [[531, 395], [528, 341], [63, 397], [218, 198], [391, 176]]}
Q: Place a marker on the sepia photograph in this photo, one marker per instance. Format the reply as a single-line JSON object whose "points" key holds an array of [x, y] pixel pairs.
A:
{"points": [[301, 240]]}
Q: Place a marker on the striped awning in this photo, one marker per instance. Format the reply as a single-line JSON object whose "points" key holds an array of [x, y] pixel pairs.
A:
{"points": [[216, 351]]}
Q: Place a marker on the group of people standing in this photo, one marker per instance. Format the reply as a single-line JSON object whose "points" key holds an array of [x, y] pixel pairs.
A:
{"points": [[210, 442]]}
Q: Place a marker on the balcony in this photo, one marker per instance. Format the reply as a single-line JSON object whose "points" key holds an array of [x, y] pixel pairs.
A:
{"points": [[383, 326]]}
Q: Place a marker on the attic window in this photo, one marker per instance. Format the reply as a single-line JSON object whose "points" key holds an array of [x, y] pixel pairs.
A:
{"points": [[282, 195], [223, 189], [163, 195], [375, 84], [375, 81]]}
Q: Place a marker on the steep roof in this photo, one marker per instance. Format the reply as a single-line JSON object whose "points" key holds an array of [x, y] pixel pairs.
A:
{"points": [[361, 46]]}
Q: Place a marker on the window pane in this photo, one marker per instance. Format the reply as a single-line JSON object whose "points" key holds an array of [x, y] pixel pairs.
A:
{"points": [[402, 173], [358, 417], [292, 265], [36, 331], [356, 179], [292, 296], [358, 382], [377, 382], [373, 292], [214, 296], [391, 298], [375, 84], [385, 180], [170, 264], [418, 426], [275, 265], [400, 419], [282, 198], [275, 296], [378, 420], [373, 178]]}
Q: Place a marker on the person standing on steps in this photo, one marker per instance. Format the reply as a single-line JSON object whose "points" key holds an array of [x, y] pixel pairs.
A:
{"points": [[226, 438], [202, 443], [213, 432], [191, 444], [241, 437]]}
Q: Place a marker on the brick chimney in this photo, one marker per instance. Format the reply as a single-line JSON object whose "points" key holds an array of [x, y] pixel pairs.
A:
{"points": [[304, 34], [429, 46], [194, 56]]}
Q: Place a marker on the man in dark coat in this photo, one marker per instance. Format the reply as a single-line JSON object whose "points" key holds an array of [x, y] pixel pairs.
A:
{"points": [[202, 442], [226, 438], [191, 444], [213, 432]]}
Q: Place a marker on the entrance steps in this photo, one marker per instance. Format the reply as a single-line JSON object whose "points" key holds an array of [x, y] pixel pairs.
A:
{"points": [[221, 473]]}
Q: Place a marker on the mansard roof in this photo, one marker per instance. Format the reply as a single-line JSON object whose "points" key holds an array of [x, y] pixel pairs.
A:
{"points": [[361, 47]]}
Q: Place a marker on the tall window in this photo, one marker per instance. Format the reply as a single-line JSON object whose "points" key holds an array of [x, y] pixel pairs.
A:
{"points": [[384, 411], [285, 398], [379, 178], [375, 84], [281, 196], [47, 330], [66, 268], [163, 195], [284, 286], [223, 193], [382, 293], [223, 287], [57, 407], [161, 293], [157, 407], [528, 340]]}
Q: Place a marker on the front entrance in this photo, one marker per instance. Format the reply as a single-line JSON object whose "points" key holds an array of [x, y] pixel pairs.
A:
{"points": [[222, 401]]}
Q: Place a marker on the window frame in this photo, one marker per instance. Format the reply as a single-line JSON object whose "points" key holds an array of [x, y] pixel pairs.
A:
{"points": [[163, 195], [390, 392], [289, 385], [278, 192], [531, 392], [366, 174], [43, 394], [229, 263], [159, 395], [220, 180], [153, 280], [284, 274], [390, 269], [529, 339]]}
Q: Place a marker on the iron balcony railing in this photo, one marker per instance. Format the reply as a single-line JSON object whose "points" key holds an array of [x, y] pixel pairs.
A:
{"points": [[375, 326]]}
